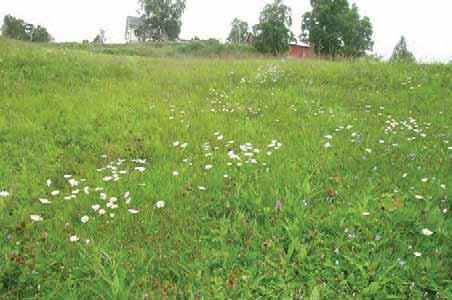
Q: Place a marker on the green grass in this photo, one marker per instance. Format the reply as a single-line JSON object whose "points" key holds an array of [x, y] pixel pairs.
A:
{"points": [[61, 110]]}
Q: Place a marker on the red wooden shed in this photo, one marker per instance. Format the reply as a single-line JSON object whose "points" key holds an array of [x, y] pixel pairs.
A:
{"points": [[301, 50]]}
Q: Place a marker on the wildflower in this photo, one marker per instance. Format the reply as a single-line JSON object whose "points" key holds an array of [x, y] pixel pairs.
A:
{"points": [[419, 197], [202, 188], [208, 167], [378, 237], [101, 211], [73, 182], [426, 232], [328, 137], [140, 169], [44, 201], [160, 204], [327, 145], [4, 194], [36, 218], [95, 207], [86, 190], [67, 176], [74, 238], [107, 178], [127, 195], [85, 219], [49, 182], [278, 206], [366, 213], [175, 173], [55, 193], [417, 254], [133, 211], [424, 179]]}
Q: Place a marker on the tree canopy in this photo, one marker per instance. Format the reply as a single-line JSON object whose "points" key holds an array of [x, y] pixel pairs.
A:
{"points": [[401, 52], [239, 31], [101, 37], [18, 29], [162, 19], [334, 28], [272, 34]]}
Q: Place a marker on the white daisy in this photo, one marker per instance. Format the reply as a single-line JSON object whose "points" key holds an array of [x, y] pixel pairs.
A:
{"points": [[85, 219], [160, 204], [427, 232], [133, 211], [44, 201], [36, 218], [74, 238], [4, 194]]}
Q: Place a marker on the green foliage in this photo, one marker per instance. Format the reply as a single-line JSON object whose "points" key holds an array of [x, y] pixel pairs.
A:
{"points": [[162, 19], [18, 29], [272, 34], [401, 52], [101, 37], [62, 109], [239, 31], [333, 28]]}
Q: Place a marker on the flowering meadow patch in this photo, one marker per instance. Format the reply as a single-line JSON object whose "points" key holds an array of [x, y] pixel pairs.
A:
{"points": [[132, 178]]}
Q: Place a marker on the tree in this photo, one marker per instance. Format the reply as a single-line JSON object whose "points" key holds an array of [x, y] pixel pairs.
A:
{"points": [[18, 29], [272, 34], [15, 28], [333, 28], [162, 19], [101, 37], [401, 52], [40, 34], [239, 31]]}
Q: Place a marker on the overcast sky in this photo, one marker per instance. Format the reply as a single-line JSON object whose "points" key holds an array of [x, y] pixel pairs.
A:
{"points": [[427, 24]]}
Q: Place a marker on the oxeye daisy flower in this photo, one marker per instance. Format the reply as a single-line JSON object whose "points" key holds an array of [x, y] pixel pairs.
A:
{"points": [[175, 173], [133, 211], [74, 238], [36, 218], [427, 232], [44, 201], [55, 193], [85, 219], [160, 204]]}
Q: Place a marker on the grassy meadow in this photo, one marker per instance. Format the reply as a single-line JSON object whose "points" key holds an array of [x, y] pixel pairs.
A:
{"points": [[128, 177]]}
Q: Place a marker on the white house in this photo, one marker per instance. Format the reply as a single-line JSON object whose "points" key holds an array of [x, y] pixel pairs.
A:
{"points": [[132, 24]]}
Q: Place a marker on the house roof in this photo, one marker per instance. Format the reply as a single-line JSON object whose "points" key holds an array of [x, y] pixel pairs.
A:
{"points": [[300, 44]]}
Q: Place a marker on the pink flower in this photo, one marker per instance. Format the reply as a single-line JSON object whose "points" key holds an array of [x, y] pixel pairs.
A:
{"points": [[278, 205]]}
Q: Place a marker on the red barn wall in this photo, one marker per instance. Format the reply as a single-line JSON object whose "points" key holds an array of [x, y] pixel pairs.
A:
{"points": [[300, 51]]}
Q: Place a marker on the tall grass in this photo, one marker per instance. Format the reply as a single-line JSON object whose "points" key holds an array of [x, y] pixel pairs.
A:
{"points": [[357, 155]]}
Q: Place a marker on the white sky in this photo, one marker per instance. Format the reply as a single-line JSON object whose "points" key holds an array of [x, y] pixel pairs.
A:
{"points": [[426, 24]]}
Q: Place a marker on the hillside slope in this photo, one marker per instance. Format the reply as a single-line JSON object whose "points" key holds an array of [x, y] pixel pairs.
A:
{"points": [[210, 178]]}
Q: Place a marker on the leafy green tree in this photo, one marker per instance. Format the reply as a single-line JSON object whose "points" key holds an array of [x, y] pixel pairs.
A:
{"points": [[272, 34], [101, 37], [162, 19], [239, 31], [18, 29], [14, 28], [334, 28], [40, 34], [401, 52]]}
